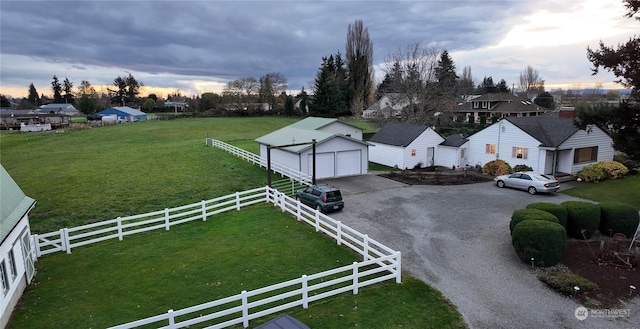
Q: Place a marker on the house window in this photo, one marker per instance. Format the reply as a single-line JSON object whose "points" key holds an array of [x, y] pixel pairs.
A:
{"points": [[4, 278], [12, 265], [475, 105], [413, 152], [490, 149], [585, 154], [485, 105], [519, 152]]}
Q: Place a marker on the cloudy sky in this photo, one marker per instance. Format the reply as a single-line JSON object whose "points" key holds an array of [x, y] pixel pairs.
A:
{"points": [[198, 46]]}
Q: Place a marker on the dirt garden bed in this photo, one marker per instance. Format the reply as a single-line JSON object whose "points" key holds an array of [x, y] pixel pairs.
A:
{"points": [[437, 176]]}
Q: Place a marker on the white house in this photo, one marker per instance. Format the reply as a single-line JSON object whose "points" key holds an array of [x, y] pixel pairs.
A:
{"points": [[404, 146], [453, 152], [58, 108], [16, 252], [549, 145], [339, 148]]}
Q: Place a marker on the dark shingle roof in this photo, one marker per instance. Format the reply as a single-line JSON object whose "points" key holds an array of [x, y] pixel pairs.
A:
{"points": [[551, 132], [399, 134], [454, 140]]}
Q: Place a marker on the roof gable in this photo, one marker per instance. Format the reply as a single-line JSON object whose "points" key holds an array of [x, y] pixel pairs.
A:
{"points": [[15, 204], [550, 131], [398, 134]]}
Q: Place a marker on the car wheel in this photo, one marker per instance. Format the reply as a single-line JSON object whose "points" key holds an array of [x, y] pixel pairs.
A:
{"points": [[500, 183], [532, 190]]}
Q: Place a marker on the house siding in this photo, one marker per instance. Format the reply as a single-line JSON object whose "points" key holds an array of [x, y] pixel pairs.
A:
{"points": [[505, 136], [344, 129], [18, 284], [281, 157], [582, 138], [388, 155]]}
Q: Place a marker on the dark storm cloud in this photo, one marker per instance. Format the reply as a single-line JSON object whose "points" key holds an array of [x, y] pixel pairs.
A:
{"points": [[231, 39]]}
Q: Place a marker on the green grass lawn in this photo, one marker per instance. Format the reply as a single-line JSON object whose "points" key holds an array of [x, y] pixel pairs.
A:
{"points": [[83, 176], [625, 190]]}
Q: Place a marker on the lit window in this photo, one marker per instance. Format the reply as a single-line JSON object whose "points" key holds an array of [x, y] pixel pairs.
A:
{"points": [[585, 154], [413, 152], [519, 152], [490, 148]]}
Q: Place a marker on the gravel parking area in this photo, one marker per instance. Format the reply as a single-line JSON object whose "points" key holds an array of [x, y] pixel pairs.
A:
{"points": [[456, 238]]}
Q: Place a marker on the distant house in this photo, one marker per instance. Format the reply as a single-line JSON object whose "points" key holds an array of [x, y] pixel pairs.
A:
{"points": [[17, 119], [389, 105], [16, 252], [57, 108], [404, 146], [549, 145], [124, 114], [340, 150], [499, 105]]}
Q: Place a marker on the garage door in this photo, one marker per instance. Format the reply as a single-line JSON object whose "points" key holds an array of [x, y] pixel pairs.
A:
{"points": [[325, 165], [348, 163]]}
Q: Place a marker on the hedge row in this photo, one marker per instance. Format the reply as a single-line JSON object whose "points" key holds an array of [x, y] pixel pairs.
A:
{"points": [[539, 231]]}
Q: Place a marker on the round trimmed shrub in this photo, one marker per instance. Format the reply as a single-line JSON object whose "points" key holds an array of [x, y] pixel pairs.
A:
{"points": [[555, 209], [521, 167], [530, 214], [582, 215], [591, 173], [618, 217], [541, 240], [496, 168], [613, 169]]}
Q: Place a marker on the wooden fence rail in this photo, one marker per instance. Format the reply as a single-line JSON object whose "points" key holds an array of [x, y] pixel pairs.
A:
{"points": [[380, 263]]}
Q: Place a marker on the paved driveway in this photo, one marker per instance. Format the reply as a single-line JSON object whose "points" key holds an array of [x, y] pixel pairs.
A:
{"points": [[456, 238]]}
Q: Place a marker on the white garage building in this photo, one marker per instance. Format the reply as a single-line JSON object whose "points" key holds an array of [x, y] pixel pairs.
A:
{"points": [[340, 150]]}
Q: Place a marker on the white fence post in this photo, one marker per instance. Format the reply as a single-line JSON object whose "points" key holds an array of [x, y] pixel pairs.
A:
{"points": [[339, 233], [63, 242], [317, 220], [298, 211], [355, 278], [245, 309], [365, 248], [237, 200], [398, 267], [172, 320], [65, 233], [283, 200], [36, 244], [166, 219], [120, 228], [204, 211], [305, 292]]}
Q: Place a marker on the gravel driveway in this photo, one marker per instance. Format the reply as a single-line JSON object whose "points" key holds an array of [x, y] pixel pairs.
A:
{"points": [[456, 238]]}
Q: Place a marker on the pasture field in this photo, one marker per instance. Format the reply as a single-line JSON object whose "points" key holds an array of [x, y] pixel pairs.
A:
{"points": [[83, 176]]}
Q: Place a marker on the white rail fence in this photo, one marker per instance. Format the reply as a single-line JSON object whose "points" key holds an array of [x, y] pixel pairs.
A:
{"points": [[283, 170], [380, 263]]}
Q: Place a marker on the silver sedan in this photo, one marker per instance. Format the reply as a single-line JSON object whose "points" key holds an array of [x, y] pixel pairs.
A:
{"points": [[529, 181]]}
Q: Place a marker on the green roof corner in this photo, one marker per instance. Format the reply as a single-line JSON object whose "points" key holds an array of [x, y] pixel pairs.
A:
{"points": [[14, 204]]}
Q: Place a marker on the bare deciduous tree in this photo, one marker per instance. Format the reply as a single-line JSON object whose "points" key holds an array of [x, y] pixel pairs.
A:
{"points": [[530, 81]]}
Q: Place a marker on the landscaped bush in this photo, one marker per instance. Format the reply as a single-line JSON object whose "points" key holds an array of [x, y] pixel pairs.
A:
{"points": [[618, 217], [613, 169], [541, 240], [591, 173], [623, 158], [582, 215], [530, 214], [522, 167], [602, 170], [564, 282], [496, 168], [557, 210]]}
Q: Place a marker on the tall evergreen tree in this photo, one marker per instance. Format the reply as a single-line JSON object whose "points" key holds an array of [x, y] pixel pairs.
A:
{"points": [[33, 97], [329, 96], [67, 87], [359, 54], [56, 87], [445, 71]]}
